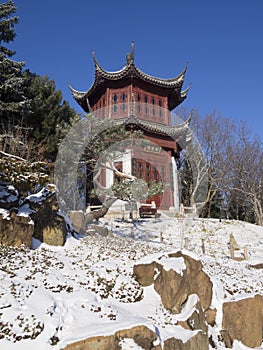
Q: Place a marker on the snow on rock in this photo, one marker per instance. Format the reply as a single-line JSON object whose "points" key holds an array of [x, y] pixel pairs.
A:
{"points": [[54, 296]]}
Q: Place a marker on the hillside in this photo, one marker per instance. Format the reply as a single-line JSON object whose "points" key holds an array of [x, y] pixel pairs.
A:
{"points": [[53, 296]]}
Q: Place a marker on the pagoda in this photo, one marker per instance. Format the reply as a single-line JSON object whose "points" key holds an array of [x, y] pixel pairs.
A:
{"points": [[143, 102]]}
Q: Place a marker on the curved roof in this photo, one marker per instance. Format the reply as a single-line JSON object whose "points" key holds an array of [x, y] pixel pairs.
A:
{"points": [[180, 133], [171, 87]]}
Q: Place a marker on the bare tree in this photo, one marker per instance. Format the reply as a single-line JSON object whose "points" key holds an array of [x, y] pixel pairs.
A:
{"points": [[247, 174], [208, 155]]}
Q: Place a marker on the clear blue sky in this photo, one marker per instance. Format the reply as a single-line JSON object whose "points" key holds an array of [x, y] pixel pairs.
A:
{"points": [[222, 41]]}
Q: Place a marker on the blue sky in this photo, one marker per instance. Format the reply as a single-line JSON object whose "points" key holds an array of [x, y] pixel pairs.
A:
{"points": [[222, 41]]}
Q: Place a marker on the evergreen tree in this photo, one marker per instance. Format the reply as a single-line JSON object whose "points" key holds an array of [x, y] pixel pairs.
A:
{"points": [[13, 103], [50, 117]]}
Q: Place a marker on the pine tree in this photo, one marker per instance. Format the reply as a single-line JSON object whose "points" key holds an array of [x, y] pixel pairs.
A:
{"points": [[50, 117], [12, 100]]}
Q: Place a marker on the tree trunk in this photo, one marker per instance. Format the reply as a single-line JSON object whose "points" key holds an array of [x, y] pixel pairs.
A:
{"points": [[258, 210], [96, 214]]}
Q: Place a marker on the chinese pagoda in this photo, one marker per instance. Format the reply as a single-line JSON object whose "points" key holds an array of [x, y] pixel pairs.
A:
{"points": [[143, 102]]}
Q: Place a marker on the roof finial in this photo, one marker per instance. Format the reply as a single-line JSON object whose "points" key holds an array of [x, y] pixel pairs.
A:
{"points": [[95, 59], [130, 56]]}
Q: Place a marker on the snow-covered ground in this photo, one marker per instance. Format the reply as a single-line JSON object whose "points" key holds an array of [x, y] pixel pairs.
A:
{"points": [[53, 296]]}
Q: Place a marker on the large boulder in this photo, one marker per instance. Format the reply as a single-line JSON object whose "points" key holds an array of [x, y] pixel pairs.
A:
{"points": [[243, 321], [15, 229], [142, 336], [50, 226], [173, 286]]}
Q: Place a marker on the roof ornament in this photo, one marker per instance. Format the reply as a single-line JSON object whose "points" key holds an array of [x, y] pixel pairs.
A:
{"points": [[188, 121], [88, 104], [130, 56], [97, 66]]}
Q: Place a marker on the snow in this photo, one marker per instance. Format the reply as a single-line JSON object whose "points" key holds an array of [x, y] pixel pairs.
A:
{"points": [[53, 296], [4, 213], [176, 264]]}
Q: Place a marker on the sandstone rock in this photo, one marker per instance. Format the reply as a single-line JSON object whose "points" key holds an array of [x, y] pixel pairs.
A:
{"points": [[243, 321], [210, 316], [141, 335], [199, 341], [50, 227], [144, 273], [198, 281], [15, 230], [173, 289]]}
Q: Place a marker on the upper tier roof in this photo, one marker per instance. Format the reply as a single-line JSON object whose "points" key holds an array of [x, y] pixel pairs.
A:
{"points": [[172, 88]]}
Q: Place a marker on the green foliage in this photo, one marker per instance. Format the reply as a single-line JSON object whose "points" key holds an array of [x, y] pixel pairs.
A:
{"points": [[49, 118], [13, 102]]}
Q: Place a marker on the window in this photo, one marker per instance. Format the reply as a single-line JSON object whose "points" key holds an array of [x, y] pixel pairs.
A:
{"points": [[123, 97], [145, 99], [138, 97], [115, 108], [123, 107], [153, 101], [160, 103], [115, 98]]}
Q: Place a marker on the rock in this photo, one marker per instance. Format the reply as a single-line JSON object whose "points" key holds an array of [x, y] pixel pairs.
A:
{"points": [[233, 242], [141, 335], [78, 220], [9, 197], [199, 341], [198, 281], [144, 273], [50, 227], [174, 288], [197, 321], [257, 266], [210, 316], [243, 321], [15, 230], [101, 230]]}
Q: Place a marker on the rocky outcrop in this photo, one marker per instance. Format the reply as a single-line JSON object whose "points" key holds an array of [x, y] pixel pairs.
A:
{"points": [[198, 342], [173, 287], [141, 335], [50, 227], [243, 321], [37, 215], [15, 230]]}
